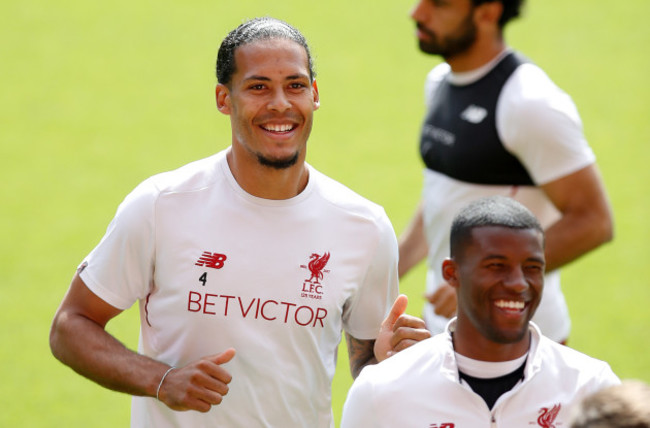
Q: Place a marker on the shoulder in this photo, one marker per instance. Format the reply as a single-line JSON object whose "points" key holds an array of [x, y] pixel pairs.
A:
{"points": [[398, 372], [539, 122], [433, 79], [571, 366], [438, 73], [392, 392], [531, 77], [139, 205], [529, 90], [190, 177], [344, 200]]}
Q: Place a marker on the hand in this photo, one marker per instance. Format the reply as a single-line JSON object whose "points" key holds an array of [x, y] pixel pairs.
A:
{"points": [[399, 330], [444, 300], [199, 385]]}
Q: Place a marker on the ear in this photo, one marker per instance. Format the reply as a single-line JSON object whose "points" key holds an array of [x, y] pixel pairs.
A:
{"points": [[222, 94], [314, 90], [488, 13], [450, 272]]}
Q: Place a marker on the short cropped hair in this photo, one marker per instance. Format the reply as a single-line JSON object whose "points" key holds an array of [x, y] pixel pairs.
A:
{"points": [[619, 406], [254, 30], [511, 9], [490, 211]]}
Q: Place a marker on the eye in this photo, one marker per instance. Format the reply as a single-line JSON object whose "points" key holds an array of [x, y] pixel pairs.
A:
{"points": [[297, 86], [534, 268], [257, 86], [496, 266]]}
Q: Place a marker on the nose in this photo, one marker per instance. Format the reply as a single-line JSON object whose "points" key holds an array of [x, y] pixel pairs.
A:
{"points": [[279, 101], [516, 280], [418, 12]]}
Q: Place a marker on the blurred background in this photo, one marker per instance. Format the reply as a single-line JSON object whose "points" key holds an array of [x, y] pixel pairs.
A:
{"points": [[97, 96]]}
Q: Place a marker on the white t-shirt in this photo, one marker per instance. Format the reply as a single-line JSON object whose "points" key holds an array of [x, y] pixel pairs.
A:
{"points": [[539, 124], [214, 267], [420, 387]]}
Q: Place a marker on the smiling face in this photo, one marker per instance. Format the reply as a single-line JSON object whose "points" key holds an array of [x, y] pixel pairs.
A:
{"points": [[499, 277], [270, 100]]}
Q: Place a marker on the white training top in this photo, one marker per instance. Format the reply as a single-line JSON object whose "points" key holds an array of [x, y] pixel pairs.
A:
{"points": [[420, 387], [214, 267], [539, 124]]}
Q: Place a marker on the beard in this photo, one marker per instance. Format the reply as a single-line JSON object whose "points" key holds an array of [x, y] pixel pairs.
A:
{"points": [[504, 337], [277, 163], [451, 45]]}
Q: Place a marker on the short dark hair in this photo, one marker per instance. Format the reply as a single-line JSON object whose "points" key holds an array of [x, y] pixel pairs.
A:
{"points": [[490, 211], [253, 30], [511, 9]]}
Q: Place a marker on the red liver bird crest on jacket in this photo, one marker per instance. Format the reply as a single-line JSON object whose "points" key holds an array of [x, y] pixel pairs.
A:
{"points": [[547, 416]]}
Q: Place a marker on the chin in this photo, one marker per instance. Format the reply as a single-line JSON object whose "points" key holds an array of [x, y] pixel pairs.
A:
{"points": [[282, 163], [508, 337]]}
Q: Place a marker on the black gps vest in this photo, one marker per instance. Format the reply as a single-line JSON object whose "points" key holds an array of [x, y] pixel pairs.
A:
{"points": [[459, 136]]}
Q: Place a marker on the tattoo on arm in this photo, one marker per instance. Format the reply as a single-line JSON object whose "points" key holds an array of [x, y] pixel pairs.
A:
{"points": [[361, 353]]}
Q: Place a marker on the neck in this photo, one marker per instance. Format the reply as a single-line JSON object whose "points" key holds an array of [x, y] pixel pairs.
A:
{"points": [[479, 54], [469, 343], [267, 182]]}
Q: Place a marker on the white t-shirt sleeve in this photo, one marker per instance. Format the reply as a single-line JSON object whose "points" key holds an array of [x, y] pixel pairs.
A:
{"points": [[367, 308], [540, 124], [120, 268], [434, 77]]}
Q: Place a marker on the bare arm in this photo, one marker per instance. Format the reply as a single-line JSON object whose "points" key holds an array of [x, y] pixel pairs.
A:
{"points": [[586, 220], [398, 331], [78, 339], [360, 354], [413, 246]]}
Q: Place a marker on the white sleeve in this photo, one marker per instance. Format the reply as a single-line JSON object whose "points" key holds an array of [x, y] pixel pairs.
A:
{"points": [[432, 81], [540, 124], [363, 314], [120, 268], [358, 410]]}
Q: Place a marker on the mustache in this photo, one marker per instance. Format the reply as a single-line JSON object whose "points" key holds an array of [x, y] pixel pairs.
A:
{"points": [[289, 115], [425, 30]]}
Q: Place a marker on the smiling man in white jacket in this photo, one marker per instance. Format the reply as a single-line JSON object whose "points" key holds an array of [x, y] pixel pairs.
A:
{"points": [[491, 367]]}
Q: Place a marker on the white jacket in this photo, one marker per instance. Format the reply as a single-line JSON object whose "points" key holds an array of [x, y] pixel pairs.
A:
{"points": [[420, 388]]}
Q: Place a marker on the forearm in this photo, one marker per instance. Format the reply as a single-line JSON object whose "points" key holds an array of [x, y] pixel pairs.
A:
{"points": [[568, 239], [413, 247], [360, 353], [586, 217], [88, 349]]}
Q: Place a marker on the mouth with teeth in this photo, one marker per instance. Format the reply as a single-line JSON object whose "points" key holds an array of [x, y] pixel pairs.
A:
{"points": [[279, 128], [510, 305]]}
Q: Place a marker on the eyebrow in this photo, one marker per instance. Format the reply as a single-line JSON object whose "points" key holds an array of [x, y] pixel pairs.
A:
{"points": [[500, 257], [268, 79]]}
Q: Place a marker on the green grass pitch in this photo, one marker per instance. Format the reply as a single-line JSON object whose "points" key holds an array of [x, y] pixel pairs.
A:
{"points": [[97, 96]]}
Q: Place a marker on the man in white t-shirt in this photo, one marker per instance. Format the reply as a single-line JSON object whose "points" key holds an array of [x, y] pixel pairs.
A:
{"points": [[246, 266], [491, 367], [497, 125]]}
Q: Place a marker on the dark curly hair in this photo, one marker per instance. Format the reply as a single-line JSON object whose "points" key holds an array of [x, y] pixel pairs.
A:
{"points": [[251, 31], [490, 211], [511, 9]]}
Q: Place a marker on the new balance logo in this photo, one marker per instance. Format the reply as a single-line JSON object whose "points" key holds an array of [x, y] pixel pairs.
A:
{"points": [[211, 260], [443, 425], [474, 114]]}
